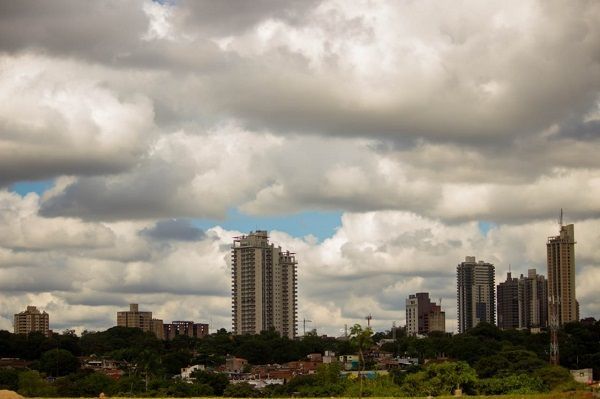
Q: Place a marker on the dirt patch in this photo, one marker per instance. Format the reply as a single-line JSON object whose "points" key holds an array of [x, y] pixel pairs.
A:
{"points": [[5, 394]]}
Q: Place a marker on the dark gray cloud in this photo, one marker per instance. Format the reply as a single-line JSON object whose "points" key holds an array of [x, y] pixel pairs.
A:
{"points": [[174, 229], [224, 18]]}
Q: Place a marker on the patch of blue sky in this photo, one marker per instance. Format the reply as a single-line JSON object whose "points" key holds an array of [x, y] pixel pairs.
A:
{"points": [[321, 224], [485, 226], [25, 187]]}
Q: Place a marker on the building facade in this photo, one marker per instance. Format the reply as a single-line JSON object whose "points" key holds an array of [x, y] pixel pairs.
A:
{"points": [[560, 251], [423, 316], [186, 328], [32, 320], [510, 303], [157, 328], [535, 299], [476, 296], [264, 286], [135, 318]]}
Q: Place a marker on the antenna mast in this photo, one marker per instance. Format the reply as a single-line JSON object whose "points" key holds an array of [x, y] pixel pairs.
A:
{"points": [[560, 220], [304, 321], [369, 317]]}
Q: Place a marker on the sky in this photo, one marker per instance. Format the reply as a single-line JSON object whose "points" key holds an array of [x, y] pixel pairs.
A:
{"points": [[382, 142]]}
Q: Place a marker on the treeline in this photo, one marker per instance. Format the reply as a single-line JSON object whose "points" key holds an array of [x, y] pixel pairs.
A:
{"points": [[484, 360]]}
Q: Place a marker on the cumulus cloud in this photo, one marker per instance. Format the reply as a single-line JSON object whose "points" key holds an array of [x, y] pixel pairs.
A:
{"points": [[416, 119], [174, 229]]}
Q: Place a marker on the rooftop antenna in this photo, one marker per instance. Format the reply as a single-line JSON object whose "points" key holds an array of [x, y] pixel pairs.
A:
{"points": [[560, 220], [304, 321]]}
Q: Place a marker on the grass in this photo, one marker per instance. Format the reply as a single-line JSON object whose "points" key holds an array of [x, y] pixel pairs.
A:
{"points": [[551, 395]]}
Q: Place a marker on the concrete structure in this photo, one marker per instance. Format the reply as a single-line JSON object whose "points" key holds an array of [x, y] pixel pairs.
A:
{"points": [[157, 327], [186, 372], [135, 318], [560, 251], [423, 316], [475, 293], [31, 320], [235, 364], [584, 376], [264, 286], [187, 328]]}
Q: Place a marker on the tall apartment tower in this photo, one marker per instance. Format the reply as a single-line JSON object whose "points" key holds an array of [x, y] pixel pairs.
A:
{"points": [[475, 293], [535, 298], [135, 318], [423, 316], [32, 320], [561, 274], [523, 302], [264, 286], [510, 303]]}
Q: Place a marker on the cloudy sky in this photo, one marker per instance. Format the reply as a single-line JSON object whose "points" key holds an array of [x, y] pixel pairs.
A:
{"points": [[381, 141]]}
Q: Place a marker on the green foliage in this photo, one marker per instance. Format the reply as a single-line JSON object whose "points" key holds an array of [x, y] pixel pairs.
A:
{"points": [[181, 389], [512, 384], [173, 362], [381, 386], [217, 381], [241, 390], [440, 379], [9, 379], [88, 384], [553, 376], [58, 362], [507, 363], [31, 383]]}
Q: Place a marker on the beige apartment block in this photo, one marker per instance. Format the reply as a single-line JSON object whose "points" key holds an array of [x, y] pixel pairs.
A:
{"points": [[264, 286], [135, 318], [561, 275], [32, 320]]}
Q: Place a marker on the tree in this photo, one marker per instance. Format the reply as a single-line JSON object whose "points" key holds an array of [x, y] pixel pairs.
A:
{"points": [[9, 379], [241, 390], [58, 362], [440, 379], [148, 363], [217, 381], [362, 340], [31, 383]]}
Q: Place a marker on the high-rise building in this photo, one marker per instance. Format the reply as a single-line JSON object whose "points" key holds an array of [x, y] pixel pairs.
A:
{"points": [[535, 299], [475, 293], [135, 318], [264, 286], [523, 302], [31, 320], [423, 316], [510, 303], [561, 275]]}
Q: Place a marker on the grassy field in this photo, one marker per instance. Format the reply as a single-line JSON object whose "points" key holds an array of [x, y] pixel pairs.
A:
{"points": [[557, 395]]}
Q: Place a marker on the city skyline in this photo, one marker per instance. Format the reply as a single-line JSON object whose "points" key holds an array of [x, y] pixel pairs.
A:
{"points": [[382, 142]]}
